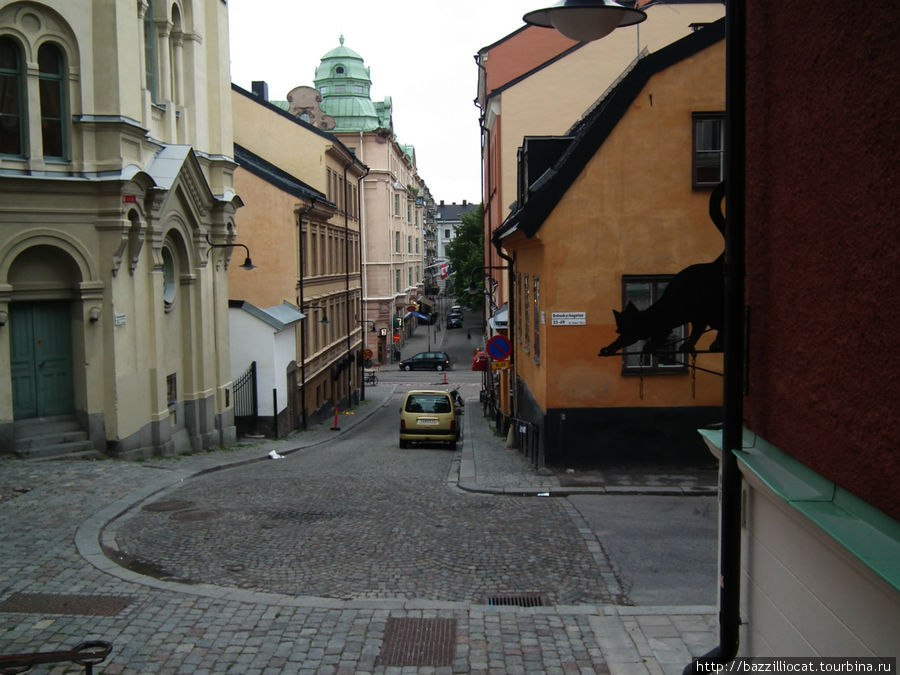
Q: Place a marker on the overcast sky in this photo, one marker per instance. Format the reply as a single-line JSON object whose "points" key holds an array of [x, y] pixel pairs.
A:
{"points": [[420, 53]]}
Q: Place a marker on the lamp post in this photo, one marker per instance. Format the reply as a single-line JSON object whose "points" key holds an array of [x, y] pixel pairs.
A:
{"points": [[248, 264], [584, 20]]}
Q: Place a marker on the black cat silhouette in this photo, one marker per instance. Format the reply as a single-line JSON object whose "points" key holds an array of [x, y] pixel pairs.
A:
{"points": [[695, 295]]}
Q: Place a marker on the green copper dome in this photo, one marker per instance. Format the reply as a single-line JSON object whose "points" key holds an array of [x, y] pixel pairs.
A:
{"points": [[345, 85]]}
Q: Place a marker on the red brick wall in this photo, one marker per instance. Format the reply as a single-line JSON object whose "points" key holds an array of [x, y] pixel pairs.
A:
{"points": [[823, 256]]}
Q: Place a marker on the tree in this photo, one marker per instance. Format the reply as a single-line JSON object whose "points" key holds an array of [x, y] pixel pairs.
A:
{"points": [[466, 255]]}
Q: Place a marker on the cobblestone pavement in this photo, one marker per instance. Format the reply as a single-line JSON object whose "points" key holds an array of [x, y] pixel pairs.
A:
{"points": [[220, 618]]}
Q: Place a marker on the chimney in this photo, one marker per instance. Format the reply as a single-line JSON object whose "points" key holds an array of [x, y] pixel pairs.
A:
{"points": [[260, 90]]}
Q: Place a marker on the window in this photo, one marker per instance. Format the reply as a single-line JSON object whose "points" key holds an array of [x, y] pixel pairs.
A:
{"points": [[708, 156], [409, 243], [50, 64], [396, 204], [396, 242], [397, 280], [169, 274], [150, 53], [11, 113], [519, 312], [525, 299], [643, 292]]}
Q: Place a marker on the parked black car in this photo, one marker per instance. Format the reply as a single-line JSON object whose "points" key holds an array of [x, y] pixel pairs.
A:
{"points": [[454, 321], [426, 361]]}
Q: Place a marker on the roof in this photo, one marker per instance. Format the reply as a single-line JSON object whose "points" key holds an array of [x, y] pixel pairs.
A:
{"points": [[344, 82], [275, 176], [453, 212], [278, 317], [591, 132], [281, 108]]}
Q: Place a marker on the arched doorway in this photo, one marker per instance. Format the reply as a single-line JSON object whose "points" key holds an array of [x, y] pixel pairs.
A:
{"points": [[40, 322]]}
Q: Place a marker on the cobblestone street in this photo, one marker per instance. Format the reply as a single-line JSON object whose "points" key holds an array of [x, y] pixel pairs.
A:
{"points": [[299, 565]]}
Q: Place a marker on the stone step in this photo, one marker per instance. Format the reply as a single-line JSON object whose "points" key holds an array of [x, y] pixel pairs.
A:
{"points": [[57, 450], [38, 426], [50, 436]]}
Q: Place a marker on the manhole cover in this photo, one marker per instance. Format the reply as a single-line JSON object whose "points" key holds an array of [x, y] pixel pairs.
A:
{"points": [[518, 600], [171, 505], [46, 603], [418, 642], [192, 515]]}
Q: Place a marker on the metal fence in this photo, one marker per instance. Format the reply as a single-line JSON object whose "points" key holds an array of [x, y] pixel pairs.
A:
{"points": [[246, 406]]}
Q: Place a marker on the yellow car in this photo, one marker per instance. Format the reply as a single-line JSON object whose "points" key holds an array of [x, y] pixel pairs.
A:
{"points": [[429, 417]]}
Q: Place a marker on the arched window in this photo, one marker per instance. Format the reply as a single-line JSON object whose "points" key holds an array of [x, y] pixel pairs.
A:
{"points": [[149, 53], [53, 101], [11, 113]]}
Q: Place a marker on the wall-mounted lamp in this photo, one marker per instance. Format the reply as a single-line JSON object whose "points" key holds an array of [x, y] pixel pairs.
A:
{"points": [[94, 314], [324, 321], [248, 264]]}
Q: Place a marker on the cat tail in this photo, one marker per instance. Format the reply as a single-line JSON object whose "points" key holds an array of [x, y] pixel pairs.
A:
{"points": [[715, 207]]}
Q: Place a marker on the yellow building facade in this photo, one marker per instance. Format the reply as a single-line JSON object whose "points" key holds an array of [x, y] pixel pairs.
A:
{"points": [[301, 219]]}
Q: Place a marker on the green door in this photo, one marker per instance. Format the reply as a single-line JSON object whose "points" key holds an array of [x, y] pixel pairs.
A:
{"points": [[41, 359]]}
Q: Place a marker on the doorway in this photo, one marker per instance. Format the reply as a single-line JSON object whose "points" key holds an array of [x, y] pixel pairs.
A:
{"points": [[41, 359]]}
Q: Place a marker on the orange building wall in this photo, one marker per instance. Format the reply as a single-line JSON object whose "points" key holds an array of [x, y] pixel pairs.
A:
{"points": [[264, 226], [632, 211]]}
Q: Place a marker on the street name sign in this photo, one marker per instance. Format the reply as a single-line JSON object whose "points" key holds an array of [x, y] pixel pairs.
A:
{"points": [[568, 319]]}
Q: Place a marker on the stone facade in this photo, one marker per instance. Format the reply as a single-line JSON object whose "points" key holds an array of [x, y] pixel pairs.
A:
{"points": [[116, 176]]}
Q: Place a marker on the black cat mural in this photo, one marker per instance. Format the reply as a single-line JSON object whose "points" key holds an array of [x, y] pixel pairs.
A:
{"points": [[695, 295]]}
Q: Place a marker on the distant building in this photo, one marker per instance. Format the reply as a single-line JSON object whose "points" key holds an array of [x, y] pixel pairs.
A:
{"points": [[302, 221], [447, 219], [394, 199], [116, 175]]}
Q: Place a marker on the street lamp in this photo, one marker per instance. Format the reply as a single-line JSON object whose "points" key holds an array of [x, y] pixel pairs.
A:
{"points": [[585, 20], [593, 19], [248, 264]]}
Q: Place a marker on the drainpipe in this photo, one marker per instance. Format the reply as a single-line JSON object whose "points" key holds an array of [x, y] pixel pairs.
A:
{"points": [[300, 300], [362, 277], [510, 318], [347, 280], [733, 387]]}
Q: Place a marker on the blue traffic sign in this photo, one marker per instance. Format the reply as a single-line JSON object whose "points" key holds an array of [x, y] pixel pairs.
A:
{"points": [[499, 348]]}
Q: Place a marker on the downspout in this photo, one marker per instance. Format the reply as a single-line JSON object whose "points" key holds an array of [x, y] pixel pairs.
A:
{"points": [[733, 386], [363, 308], [510, 321], [347, 288], [312, 204], [347, 276]]}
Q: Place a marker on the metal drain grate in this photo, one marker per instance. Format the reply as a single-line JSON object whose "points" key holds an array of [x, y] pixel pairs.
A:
{"points": [[418, 642], [518, 600], [46, 603]]}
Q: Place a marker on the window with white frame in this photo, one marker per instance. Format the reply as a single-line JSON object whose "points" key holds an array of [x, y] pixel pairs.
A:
{"points": [[643, 291], [708, 156]]}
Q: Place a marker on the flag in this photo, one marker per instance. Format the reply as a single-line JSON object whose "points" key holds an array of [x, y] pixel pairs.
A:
{"points": [[445, 270]]}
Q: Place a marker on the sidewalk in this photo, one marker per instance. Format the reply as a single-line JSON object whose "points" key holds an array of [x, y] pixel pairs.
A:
{"points": [[52, 519]]}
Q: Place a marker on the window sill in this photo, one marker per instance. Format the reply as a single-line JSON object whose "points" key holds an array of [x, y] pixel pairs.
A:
{"points": [[862, 530]]}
